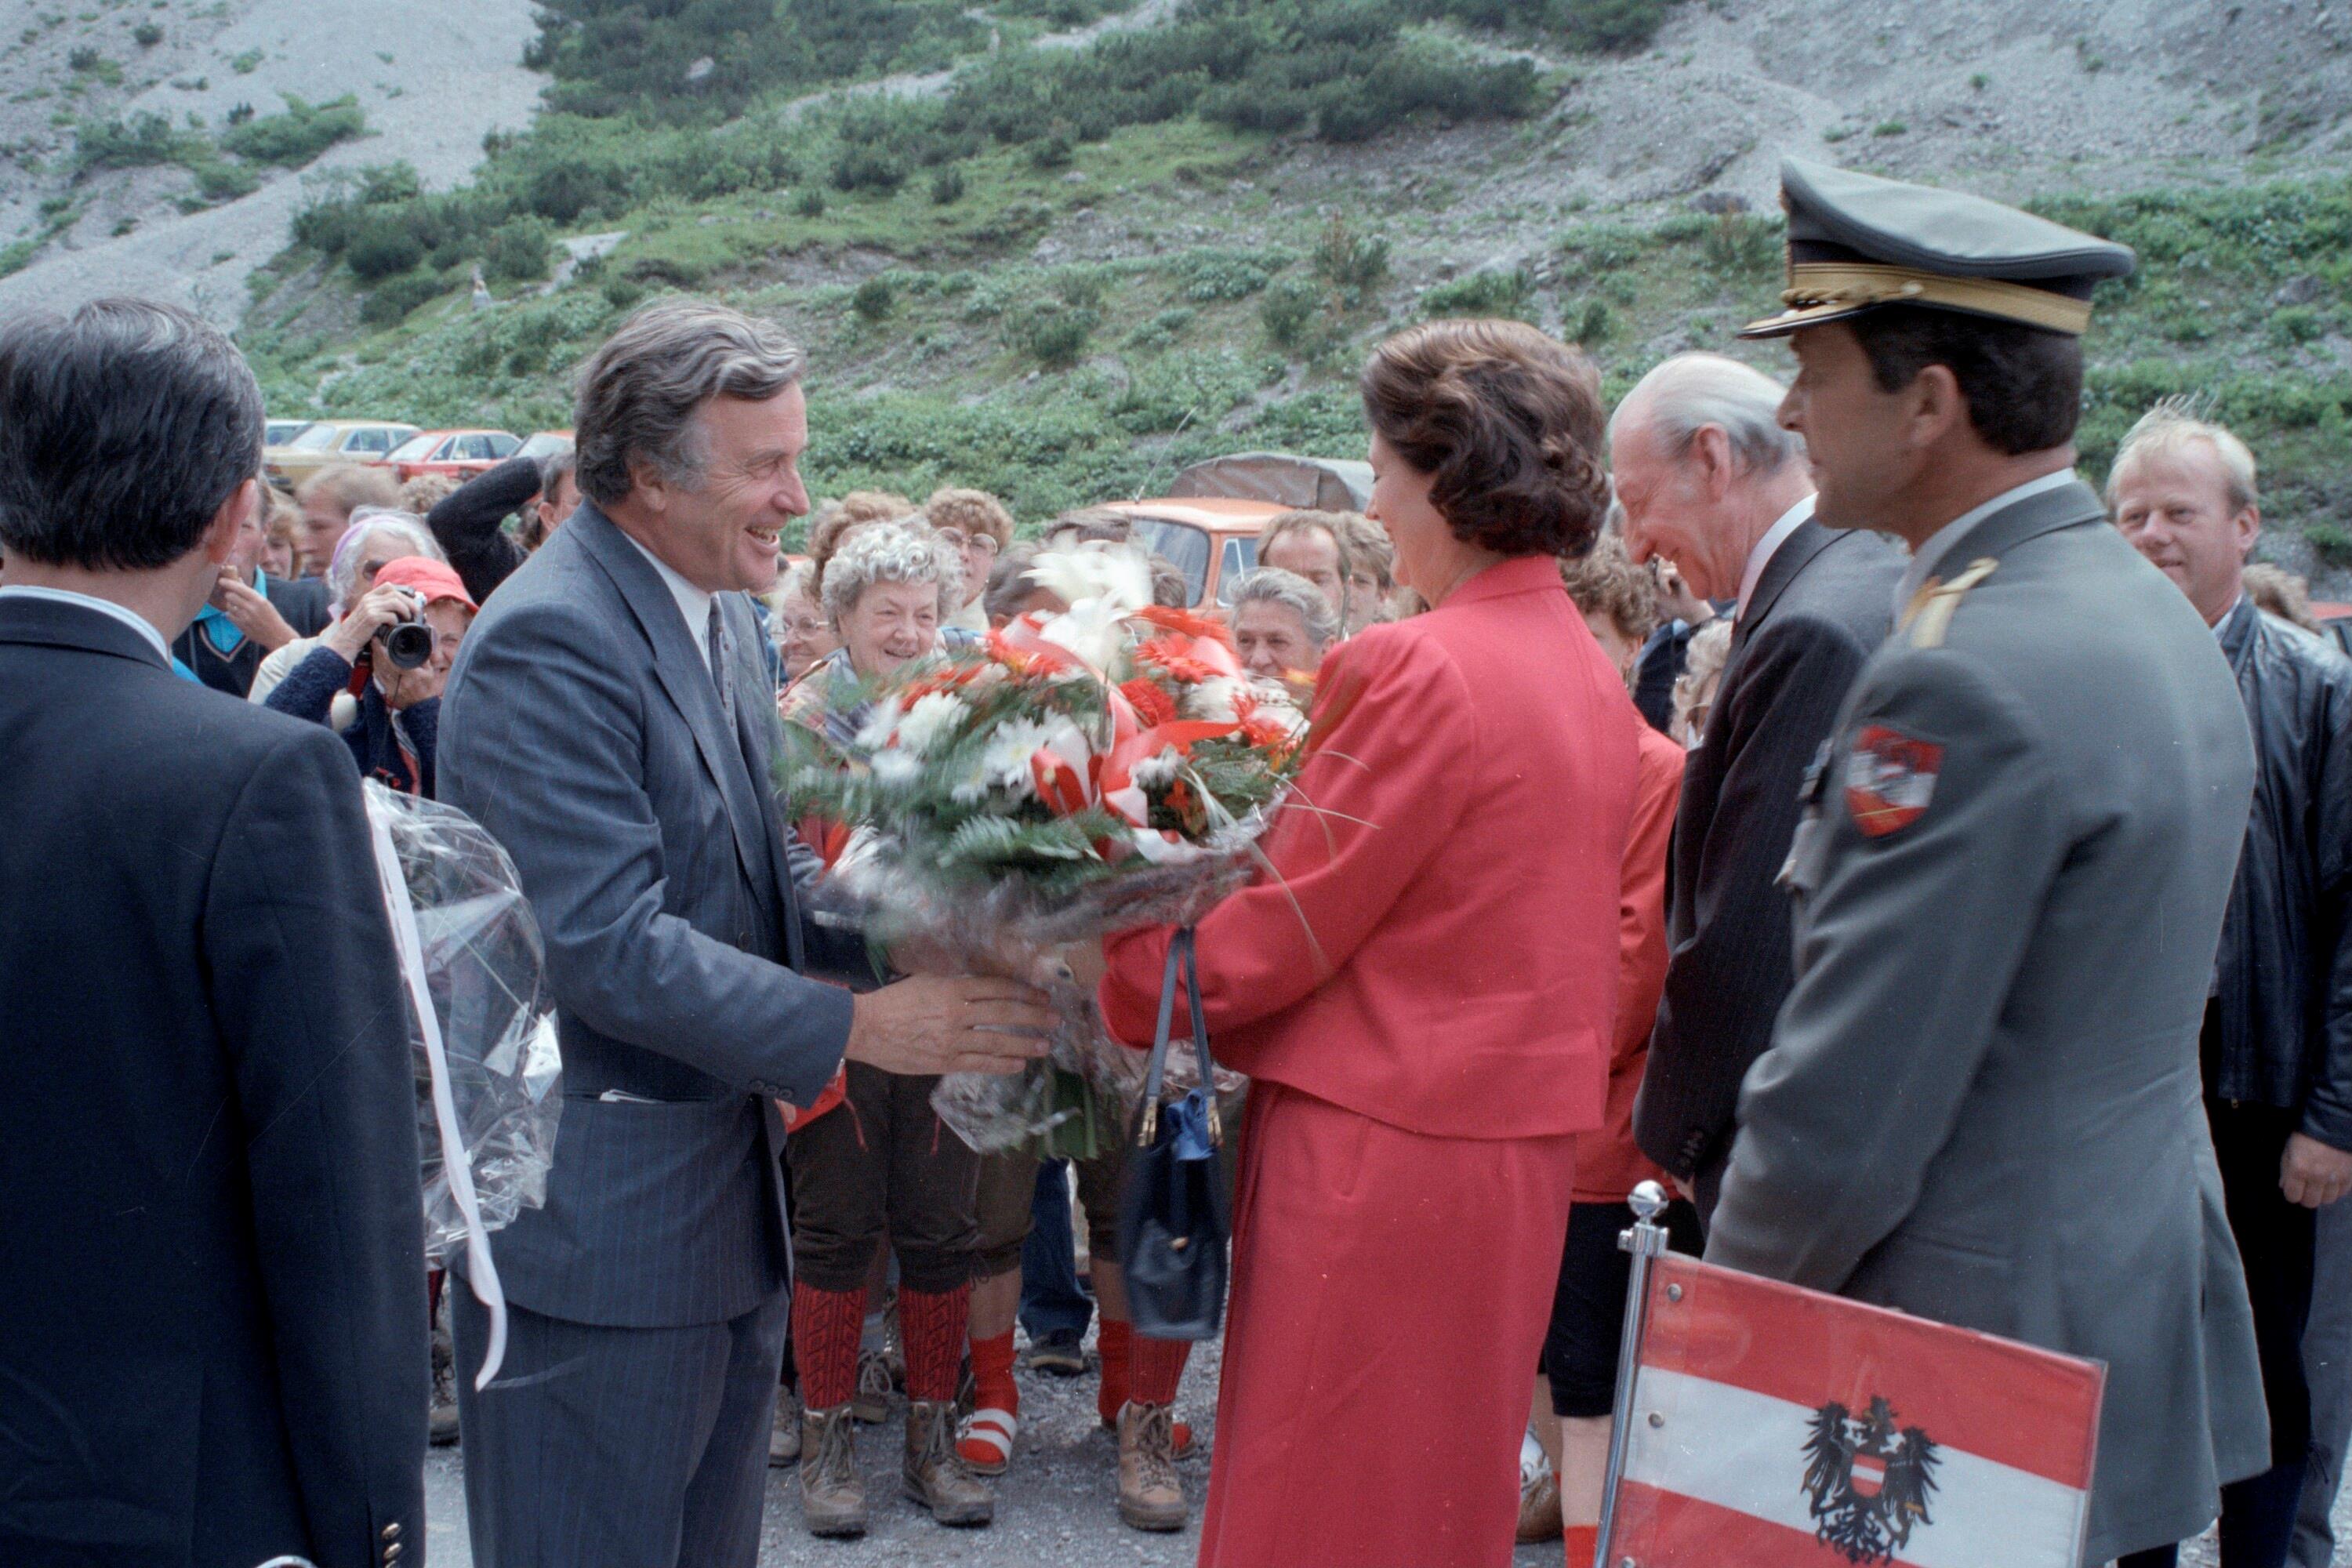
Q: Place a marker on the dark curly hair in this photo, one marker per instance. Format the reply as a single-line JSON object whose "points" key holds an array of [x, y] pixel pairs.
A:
{"points": [[1507, 422]]}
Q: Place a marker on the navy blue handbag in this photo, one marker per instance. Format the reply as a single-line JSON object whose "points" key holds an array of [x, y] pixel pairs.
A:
{"points": [[1173, 1224]]}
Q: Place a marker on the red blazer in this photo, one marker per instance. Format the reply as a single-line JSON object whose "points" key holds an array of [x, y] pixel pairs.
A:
{"points": [[1608, 1161], [1440, 950]]}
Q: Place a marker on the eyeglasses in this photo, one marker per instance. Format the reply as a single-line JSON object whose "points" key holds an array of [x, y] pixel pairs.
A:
{"points": [[984, 542]]}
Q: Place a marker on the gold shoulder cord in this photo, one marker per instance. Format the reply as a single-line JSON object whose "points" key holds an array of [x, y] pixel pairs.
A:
{"points": [[1929, 615]]}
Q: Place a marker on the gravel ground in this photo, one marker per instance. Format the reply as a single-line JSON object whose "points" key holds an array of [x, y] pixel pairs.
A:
{"points": [[1055, 1509], [434, 76]]}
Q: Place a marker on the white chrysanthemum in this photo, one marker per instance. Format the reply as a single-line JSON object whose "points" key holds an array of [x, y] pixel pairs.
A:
{"points": [[897, 769], [1214, 701], [875, 733], [1005, 761], [934, 714], [1158, 769], [1117, 575]]}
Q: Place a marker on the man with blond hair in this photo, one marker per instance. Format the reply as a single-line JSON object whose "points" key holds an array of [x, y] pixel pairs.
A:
{"points": [[1311, 544], [328, 498], [2276, 1045]]}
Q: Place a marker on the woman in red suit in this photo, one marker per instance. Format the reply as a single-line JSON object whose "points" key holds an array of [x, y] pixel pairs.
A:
{"points": [[1424, 996]]}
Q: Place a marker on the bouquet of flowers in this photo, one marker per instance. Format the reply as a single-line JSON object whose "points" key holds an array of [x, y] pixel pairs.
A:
{"points": [[1075, 774]]}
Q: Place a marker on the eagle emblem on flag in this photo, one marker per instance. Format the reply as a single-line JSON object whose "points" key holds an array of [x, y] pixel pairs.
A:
{"points": [[1868, 1480]]}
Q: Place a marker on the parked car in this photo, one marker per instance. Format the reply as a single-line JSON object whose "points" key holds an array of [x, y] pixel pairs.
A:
{"points": [[277, 432], [1208, 522], [461, 454], [544, 444], [325, 443]]}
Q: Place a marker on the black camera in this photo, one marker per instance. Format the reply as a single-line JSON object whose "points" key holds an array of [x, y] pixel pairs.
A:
{"points": [[407, 644]]}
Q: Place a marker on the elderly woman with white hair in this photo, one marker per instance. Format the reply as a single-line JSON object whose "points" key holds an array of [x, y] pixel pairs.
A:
{"points": [[1282, 625], [377, 534], [390, 717], [878, 1161]]}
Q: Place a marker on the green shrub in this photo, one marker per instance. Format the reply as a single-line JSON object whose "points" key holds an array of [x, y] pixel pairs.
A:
{"points": [[380, 249], [2330, 542], [622, 293], [1503, 294], [143, 140], [1054, 335], [1889, 128], [147, 35], [875, 296], [947, 187], [389, 303], [1210, 275], [1354, 264], [1083, 287], [1739, 244], [517, 252], [247, 63], [810, 203], [868, 168], [2296, 324], [1288, 309], [295, 138], [1592, 324]]}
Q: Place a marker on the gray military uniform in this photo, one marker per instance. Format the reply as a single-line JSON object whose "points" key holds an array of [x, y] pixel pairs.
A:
{"points": [[1981, 1104]]}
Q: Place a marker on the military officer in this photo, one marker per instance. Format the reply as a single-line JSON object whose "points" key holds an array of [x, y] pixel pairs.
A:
{"points": [[1982, 1103]]}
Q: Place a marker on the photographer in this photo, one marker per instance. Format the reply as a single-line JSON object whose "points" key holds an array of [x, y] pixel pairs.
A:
{"points": [[376, 675]]}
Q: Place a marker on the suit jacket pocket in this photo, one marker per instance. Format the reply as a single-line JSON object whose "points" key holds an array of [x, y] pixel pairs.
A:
{"points": [[1955, 1280]]}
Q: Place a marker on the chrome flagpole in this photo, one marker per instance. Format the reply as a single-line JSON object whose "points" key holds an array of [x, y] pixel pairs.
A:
{"points": [[1645, 1239]]}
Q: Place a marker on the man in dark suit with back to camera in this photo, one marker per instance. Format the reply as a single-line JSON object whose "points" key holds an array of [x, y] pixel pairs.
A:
{"points": [[610, 721], [212, 1339], [1710, 482], [1982, 1103]]}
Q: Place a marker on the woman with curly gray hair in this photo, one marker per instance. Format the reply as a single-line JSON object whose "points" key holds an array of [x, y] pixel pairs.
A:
{"points": [[886, 1166]]}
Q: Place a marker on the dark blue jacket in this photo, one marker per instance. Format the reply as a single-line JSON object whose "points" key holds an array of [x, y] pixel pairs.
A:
{"points": [[212, 1337], [308, 692]]}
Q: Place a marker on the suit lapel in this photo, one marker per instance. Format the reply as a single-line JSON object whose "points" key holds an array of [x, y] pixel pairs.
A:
{"points": [[675, 660], [1796, 552]]}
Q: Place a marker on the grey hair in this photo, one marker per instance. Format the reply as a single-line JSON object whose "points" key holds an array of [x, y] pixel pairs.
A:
{"points": [[2174, 422], [1273, 585], [1690, 391], [640, 392], [343, 570], [892, 552], [556, 466]]}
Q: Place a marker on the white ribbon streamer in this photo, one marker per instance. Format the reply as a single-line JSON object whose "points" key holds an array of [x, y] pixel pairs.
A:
{"points": [[456, 1160]]}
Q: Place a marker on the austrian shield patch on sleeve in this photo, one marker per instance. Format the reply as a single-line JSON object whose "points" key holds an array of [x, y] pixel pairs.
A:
{"points": [[1889, 780]]}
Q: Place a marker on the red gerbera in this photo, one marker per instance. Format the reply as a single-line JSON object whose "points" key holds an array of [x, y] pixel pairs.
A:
{"points": [[1153, 707], [1186, 622], [1179, 667]]}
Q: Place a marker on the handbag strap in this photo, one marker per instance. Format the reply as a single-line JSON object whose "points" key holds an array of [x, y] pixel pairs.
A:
{"points": [[1183, 959]]}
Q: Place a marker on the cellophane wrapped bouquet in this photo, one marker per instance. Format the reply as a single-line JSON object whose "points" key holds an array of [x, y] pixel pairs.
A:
{"points": [[1072, 776], [477, 956]]}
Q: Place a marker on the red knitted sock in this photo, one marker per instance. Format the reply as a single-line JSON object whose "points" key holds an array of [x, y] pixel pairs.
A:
{"points": [[1113, 1345], [1583, 1540], [932, 1323], [991, 1374], [1159, 1368], [826, 1327]]}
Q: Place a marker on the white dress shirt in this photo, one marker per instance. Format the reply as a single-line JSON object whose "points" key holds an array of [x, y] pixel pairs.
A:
{"points": [[693, 604], [1935, 545], [132, 618], [1766, 547]]}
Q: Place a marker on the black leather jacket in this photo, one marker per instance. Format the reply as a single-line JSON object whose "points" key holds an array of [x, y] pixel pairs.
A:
{"points": [[2281, 1028]]}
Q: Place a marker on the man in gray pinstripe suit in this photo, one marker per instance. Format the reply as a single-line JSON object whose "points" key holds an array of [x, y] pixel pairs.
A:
{"points": [[609, 721]]}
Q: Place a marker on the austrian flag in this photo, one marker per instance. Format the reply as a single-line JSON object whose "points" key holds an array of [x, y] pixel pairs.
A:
{"points": [[1777, 1427]]}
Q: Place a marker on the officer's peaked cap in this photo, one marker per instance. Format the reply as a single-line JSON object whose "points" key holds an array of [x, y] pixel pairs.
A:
{"points": [[1857, 241]]}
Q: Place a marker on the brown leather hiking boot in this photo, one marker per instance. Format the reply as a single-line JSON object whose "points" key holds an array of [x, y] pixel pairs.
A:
{"points": [[832, 1494], [1150, 1495], [935, 1474]]}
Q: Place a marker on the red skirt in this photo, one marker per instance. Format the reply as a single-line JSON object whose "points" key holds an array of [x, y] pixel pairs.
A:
{"points": [[1389, 1296]]}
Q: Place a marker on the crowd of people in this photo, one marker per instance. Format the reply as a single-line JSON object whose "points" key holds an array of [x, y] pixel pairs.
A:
{"points": [[1960, 927]]}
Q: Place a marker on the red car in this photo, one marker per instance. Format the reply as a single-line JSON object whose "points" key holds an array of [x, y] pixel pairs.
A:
{"points": [[461, 454]]}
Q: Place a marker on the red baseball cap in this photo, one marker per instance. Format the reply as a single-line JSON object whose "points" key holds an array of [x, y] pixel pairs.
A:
{"points": [[434, 579]]}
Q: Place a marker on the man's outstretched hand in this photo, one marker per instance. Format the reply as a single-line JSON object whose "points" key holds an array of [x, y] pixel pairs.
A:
{"points": [[934, 1023]]}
